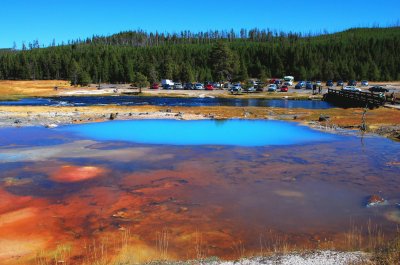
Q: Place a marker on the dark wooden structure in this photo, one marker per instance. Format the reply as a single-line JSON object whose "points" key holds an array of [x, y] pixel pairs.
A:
{"points": [[354, 98]]}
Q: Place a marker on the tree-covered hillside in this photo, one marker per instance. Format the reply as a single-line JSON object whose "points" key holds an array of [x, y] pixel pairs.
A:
{"points": [[365, 53]]}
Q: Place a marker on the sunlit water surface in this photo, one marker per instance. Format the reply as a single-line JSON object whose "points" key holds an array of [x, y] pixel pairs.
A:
{"points": [[167, 101]]}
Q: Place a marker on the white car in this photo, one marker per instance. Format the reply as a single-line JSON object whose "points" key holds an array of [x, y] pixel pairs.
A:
{"points": [[178, 86], [272, 88], [351, 88], [364, 83], [199, 86], [250, 89], [236, 88]]}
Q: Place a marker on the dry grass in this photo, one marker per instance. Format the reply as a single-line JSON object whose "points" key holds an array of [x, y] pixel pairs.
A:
{"points": [[388, 254], [273, 242], [162, 243], [18, 89], [124, 252]]}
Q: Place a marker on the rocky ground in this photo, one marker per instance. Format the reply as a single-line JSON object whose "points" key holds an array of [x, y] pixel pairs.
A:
{"points": [[307, 258]]}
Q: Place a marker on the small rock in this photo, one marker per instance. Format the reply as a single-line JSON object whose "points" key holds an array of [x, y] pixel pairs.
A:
{"points": [[120, 214], [113, 116], [52, 125], [182, 209], [323, 117], [375, 200]]}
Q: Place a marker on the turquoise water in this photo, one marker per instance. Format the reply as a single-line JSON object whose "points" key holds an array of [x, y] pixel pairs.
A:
{"points": [[201, 132]]}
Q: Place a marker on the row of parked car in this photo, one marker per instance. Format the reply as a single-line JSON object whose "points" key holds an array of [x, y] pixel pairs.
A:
{"points": [[258, 86], [187, 86], [377, 89], [329, 83]]}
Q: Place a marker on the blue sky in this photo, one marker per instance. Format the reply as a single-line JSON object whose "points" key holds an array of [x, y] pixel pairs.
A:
{"points": [[62, 20]]}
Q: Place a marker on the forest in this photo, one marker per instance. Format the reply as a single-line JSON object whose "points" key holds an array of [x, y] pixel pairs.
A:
{"points": [[359, 53]]}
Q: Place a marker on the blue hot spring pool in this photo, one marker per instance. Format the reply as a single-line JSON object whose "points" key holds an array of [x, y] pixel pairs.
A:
{"points": [[201, 132]]}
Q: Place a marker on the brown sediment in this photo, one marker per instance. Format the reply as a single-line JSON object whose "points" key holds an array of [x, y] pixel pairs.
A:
{"points": [[154, 214], [22, 232]]}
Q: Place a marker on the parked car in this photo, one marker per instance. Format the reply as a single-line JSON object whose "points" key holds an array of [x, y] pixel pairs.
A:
{"points": [[278, 82], [318, 83], [178, 86], [167, 86], [288, 80], [259, 86], [167, 82], [209, 87], [198, 86], [236, 88], [378, 89], [298, 86], [284, 88], [340, 83], [188, 86], [155, 86], [309, 85], [250, 89], [227, 85], [351, 88], [329, 83], [364, 82], [352, 83], [217, 85], [272, 88]]}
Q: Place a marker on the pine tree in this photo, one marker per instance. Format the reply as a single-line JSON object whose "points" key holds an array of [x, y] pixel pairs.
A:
{"points": [[222, 61], [84, 78], [140, 81]]}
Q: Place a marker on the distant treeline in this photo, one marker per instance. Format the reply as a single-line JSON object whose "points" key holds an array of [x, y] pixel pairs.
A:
{"points": [[364, 53]]}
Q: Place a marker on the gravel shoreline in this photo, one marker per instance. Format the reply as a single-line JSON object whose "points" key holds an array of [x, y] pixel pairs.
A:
{"points": [[326, 257]]}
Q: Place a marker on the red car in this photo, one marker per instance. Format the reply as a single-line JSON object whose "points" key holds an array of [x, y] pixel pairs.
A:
{"points": [[209, 87], [155, 86], [284, 88]]}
